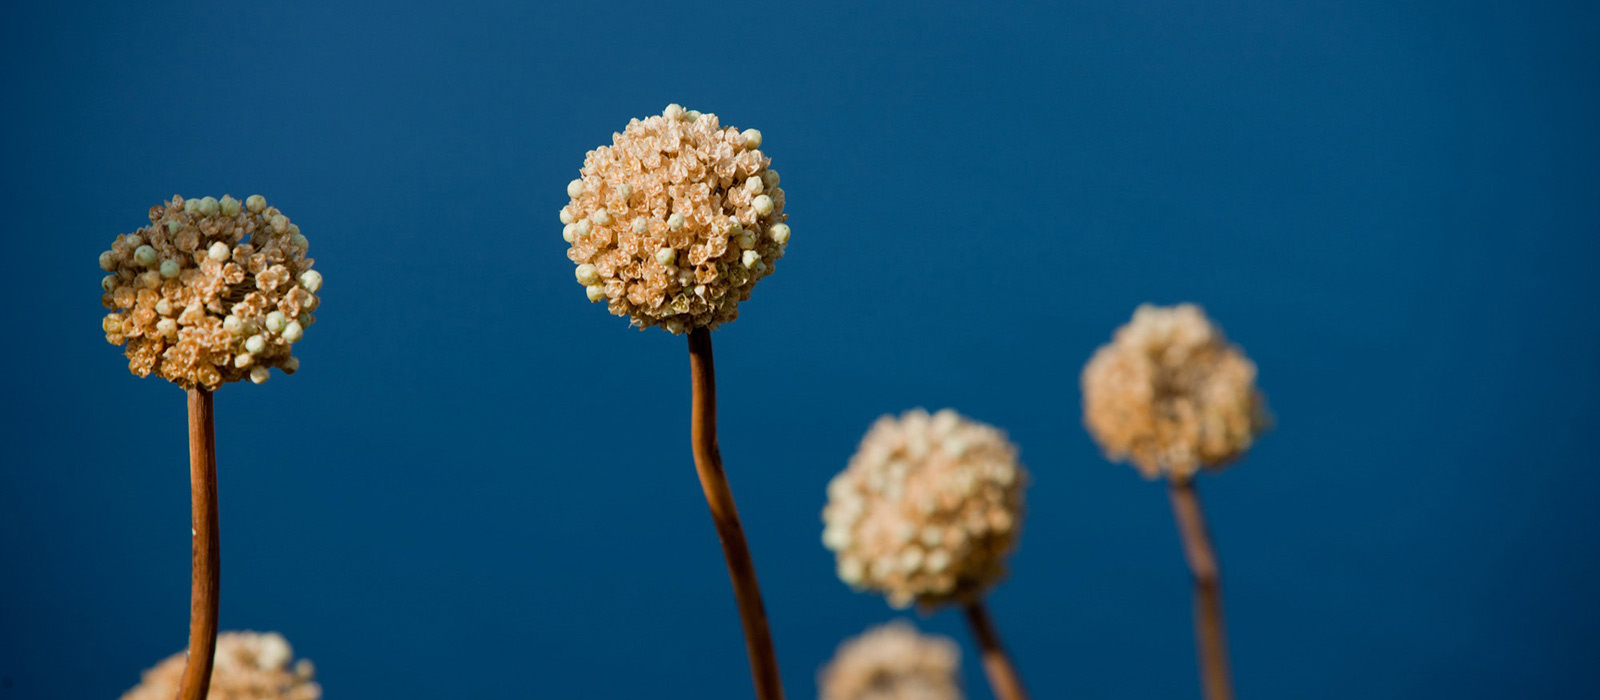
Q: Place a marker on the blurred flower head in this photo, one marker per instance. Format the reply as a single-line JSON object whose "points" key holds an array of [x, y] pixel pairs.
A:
{"points": [[893, 662], [1171, 394], [212, 291], [927, 509], [675, 222], [249, 666]]}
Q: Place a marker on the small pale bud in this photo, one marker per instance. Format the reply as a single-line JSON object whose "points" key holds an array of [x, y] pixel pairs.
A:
{"points": [[290, 365], [691, 115], [172, 228], [673, 326], [595, 292], [675, 222], [191, 206], [275, 322], [292, 332], [145, 255], [243, 360], [280, 223], [167, 327], [587, 275], [232, 324], [673, 111], [208, 206], [640, 225], [754, 185], [255, 203], [219, 252], [667, 256], [601, 217], [770, 178], [230, 206], [109, 282], [259, 375], [112, 323], [108, 262], [746, 240], [582, 228], [299, 240], [575, 189], [566, 216], [752, 138], [568, 233], [750, 258], [169, 269], [255, 344], [762, 204], [135, 240], [163, 307], [779, 233], [311, 280]]}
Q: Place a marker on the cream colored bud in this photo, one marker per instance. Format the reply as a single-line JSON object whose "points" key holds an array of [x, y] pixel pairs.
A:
{"points": [[255, 203], [751, 258], [752, 138], [746, 240], [673, 111], [640, 225], [108, 261], [575, 189], [779, 233], [233, 325], [754, 185], [191, 206], [566, 216], [587, 275], [145, 256], [692, 115], [582, 228], [292, 332], [255, 344], [311, 280], [172, 228], [595, 292], [276, 321], [624, 191], [135, 240], [243, 360], [167, 327], [667, 256], [259, 375], [219, 252], [112, 323], [300, 241], [568, 233], [170, 269], [208, 206], [675, 222], [770, 178], [280, 223], [230, 206], [109, 282], [673, 326], [762, 204], [601, 217], [290, 365]]}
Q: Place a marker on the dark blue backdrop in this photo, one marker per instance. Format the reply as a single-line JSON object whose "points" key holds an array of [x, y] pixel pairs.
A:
{"points": [[480, 485]]}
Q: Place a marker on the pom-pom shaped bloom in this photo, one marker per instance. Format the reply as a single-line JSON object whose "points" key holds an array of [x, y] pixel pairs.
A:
{"points": [[675, 222], [893, 662], [1171, 394], [927, 510], [210, 292], [249, 666]]}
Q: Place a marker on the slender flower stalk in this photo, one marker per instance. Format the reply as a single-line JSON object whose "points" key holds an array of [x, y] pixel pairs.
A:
{"points": [[210, 292], [926, 513], [725, 515], [205, 594], [672, 225], [1172, 396]]}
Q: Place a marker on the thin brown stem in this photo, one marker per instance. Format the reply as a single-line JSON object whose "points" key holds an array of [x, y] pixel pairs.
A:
{"points": [[207, 565], [997, 664], [1210, 639], [708, 462]]}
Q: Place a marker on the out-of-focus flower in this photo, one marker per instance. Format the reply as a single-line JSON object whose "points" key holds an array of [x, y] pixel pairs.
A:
{"points": [[675, 222], [212, 291], [927, 509], [1170, 394], [249, 666], [893, 662]]}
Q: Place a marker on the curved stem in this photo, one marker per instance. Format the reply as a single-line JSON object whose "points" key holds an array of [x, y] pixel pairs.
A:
{"points": [[1004, 679], [1210, 640], [207, 570], [708, 462]]}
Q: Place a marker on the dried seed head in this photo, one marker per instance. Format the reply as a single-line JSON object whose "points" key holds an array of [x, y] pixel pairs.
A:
{"points": [[1170, 394], [249, 666], [677, 182], [189, 288], [893, 662], [927, 510]]}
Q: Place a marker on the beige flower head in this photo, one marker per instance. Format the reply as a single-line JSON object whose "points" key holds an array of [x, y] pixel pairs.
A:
{"points": [[927, 510], [893, 662], [212, 291], [249, 666], [1171, 394], [675, 222]]}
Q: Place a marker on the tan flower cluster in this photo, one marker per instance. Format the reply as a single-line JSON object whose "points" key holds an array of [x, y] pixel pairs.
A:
{"points": [[893, 662], [927, 510], [212, 291], [249, 666], [675, 222], [1171, 394]]}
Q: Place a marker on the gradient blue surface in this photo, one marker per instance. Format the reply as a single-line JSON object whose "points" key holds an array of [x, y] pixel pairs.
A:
{"points": [[479, 485]]}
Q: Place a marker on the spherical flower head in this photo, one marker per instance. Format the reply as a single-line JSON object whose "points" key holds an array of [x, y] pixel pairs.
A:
{"points": [[678, 182], [927, 510], [1170, 394], [204, 294], [249, 666], [893, 662]]}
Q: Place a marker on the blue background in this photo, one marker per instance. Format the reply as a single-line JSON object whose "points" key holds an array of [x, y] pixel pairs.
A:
{"points": [[480, 485]]}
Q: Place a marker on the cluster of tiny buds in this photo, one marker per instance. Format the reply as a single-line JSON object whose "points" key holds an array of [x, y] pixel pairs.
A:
{"points": [[212, 291], [893, 662], [248, 666], [675, 221], [927, 510]]}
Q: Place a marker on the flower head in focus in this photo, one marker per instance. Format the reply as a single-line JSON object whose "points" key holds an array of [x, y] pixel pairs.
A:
{"points": [[927, 510], [675, 222], [893, 662], [212, 291], [249, 666], [1170, 394]]}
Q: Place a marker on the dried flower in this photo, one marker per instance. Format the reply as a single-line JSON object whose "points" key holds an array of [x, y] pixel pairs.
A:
{"points": [[893, 662], [681, 183], [205, 283], [1171, 394], [249, 666], [927, 510]]}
